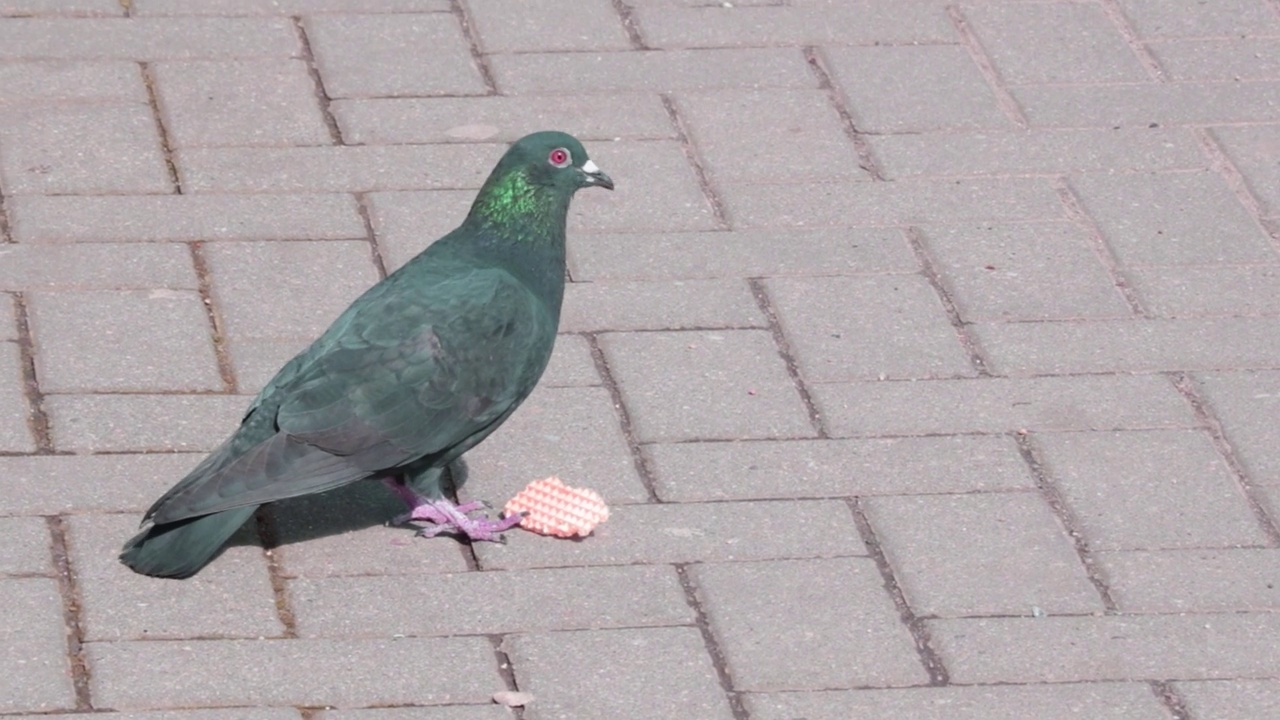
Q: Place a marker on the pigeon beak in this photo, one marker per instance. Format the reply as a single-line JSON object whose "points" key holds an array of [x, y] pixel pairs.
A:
{"points": [[593, 175]]}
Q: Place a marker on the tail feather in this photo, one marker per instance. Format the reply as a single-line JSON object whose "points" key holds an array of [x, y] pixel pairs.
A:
{"points": [[179, 549]]}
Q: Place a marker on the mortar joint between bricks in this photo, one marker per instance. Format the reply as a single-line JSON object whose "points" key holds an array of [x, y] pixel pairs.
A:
{"points": [[6, 232], [712, 646], [1170, 698], [204, 286], [317, 82], [506, 670], [685, 137], [473, 42], [969, 40], [162, 129], [1221, 163], [630, 26], [72, 605], [638, 458], [37, 416], [866, 158], [1077, 214], [1146, 58], [765, 303], [269, 537], [977, 359], [375, 250]]}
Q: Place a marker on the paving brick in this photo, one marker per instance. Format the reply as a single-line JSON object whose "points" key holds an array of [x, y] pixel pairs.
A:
{"points": [[230, 598], [138, 341], [741, 254], [37, 675], [1025, 271], [651, 71], [1176, 219], [548, 25], [864, 327], [1141, 104], [239, 713], [1173, 581], [677, 305], [407, 222], [770, 136], [1236, 58], [1034, 43], [389, 121], [914, 88], [1129, 345], [550, 435], [15, 435], [390, 55], [899, 203], [657, 190], [142, 8], [703, 385], [988, 554], [146, 38], [490, 711], [1004, 152], [1149, 490], [997, 405], [95, 267], [142, 423], [1231, 698], [613, 673], [1247, 403], [1153, 18], [1208, 290], [91, 8], [510, 601], [240, 102], [806, 624], [112, 149], [286, 289], [8, 318], [1073, 649], [571, 364], [1256, 152], [1105, 701], [691, 472], [101, 81], [62, 484], [830, 22], [695, 532], [292, 672], [26, 547], [39, 219], [254, 361]]}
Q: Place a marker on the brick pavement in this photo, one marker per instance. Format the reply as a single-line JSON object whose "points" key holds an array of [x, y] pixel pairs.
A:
{"points": [[928, 352]]}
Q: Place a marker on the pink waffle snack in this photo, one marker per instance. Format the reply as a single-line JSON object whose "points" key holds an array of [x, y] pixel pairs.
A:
{"points": [[556, 509]]}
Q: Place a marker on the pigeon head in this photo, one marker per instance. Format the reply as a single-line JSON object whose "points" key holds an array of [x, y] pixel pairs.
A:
{"points": [[534, 180]]}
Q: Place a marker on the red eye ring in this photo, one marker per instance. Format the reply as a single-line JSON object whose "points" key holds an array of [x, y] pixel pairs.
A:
{"points": [[559, 158]]}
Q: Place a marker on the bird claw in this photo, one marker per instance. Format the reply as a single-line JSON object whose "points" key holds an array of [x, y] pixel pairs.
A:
{"points": [[445, 517]]}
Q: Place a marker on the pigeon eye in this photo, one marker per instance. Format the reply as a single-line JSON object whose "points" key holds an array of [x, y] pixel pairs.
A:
{"points": [[559, 158]]}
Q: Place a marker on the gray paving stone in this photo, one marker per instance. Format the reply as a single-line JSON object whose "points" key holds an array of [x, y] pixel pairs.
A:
{"points": [[87, 150], [40, 219], [1152, 18], [230, 598], [1235, 58], [1256, 152], [137, 341], [692, 472], [1004, 152], [254, 361], [8, 318], [142, 423], [240, 102], [489, 711], [37, 675], [705, 385], [575, 25], [866, 327], [739, 254], [62, 484], [1176, 219], [491, 602], [1244, 699], [998, 405], [571, 364], [389, 121], [1173, 581], [393, 55], [652, 71], [1034, 43], [48, 80], [146, 38], [94, 8], [95, 267], [756, 24], [15, 434], [286, 289], [1129, 345], [1149, 490], [988, 554], [1024, 271], [914, 88], [1208, 290], [239, 713], [770, 136], [1072, 649], [1247, 403], [142, 8], [806, 625], [572, 433], [693, 532], [407, 222], [614, 673], [26, 547], [676, 305], [1105, 701], [292, 672], [904, 202], [1141, 104]]}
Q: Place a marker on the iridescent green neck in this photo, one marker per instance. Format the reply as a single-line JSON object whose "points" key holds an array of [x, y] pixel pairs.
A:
{"points": [[521, 209]]}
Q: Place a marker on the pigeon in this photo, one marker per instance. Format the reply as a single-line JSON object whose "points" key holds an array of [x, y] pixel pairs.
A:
{"points": [[418, 370]]}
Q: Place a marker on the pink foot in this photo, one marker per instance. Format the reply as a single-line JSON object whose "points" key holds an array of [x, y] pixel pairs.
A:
{"points": [[449, 518]]}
